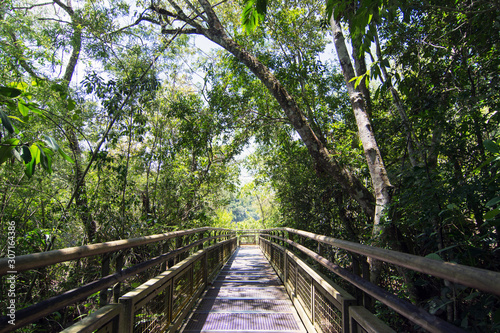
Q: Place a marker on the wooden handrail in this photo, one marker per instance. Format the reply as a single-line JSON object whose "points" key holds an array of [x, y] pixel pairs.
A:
{"points": [[37, 260], [482, 279], [408, 310], [41, 309]]}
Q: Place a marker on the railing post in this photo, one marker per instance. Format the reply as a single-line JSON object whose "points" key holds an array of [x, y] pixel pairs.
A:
{"points": [[118, 267], [164, 248], [285, 267], [171, 247], [128, 315], [214, 240], [313, 301], [178, 244], [103, 295], [200, 237], [367, 300], [205, 269]]}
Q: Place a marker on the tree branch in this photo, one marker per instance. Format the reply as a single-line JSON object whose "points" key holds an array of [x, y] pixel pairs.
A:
{"points": [[179, 31], [139, 20], [23, 63], [33, 6], [52, 19], [67, 9], [212, 19]]}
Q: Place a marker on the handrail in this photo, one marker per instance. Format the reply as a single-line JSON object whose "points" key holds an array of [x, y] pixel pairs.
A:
{"points": [[478, 278], [481, 279], [37, 260], [48, 306], [410, 311], [45, 259]]}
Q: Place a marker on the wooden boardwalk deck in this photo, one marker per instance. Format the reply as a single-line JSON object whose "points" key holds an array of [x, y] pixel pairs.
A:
{"points": [[247, 296]]}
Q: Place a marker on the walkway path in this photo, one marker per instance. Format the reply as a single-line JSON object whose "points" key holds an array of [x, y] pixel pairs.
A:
{"points": [[247, 296]]}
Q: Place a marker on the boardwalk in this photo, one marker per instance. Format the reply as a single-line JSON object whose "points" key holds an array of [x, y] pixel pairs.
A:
{"points": [[247, 296]]}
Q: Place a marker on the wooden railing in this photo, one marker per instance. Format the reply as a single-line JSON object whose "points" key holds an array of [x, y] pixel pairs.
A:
{"points": [[177, 266], [327, 307], [247, 237], [186, 260]]}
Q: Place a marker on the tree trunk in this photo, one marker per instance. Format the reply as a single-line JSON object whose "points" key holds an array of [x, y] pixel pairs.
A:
{"points": [[80, 188], [323, 158], [380, 180], [360, 66]]}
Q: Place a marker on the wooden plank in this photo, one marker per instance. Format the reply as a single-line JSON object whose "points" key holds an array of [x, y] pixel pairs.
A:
{"points": [[368, 321], [97, 320]]}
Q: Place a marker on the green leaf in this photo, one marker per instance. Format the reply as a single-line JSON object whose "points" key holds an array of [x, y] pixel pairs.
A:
{"points": [[16, 118], [5, 154], [51, 143], [434, 256], [65, 156], [7, 148], [6, 122], [35, 153], [26, 154], [34, 108], [358, 81], [491, 214], [491, 146], [59, 88], [452, 206], [496, 316], [329, 9], [253, 13], [261, 7], [45, 159], [495, 223], [369, 18], [493, 202], [10, 92], [30, 169], [23, 108], [16, 154], [71, 104]]}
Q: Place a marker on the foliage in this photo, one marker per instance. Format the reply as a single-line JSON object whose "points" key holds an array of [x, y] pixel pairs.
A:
{"points": [[16, 139], [153, 147]]}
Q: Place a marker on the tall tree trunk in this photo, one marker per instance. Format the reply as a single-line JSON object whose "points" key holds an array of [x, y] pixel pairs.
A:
{"points": [[360, 67], [380, 180], [80, 188]]}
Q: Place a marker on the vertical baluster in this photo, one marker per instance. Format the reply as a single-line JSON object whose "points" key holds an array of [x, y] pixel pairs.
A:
{"points": [[171, 247], [118, 267], [367, 300], [205, 269], [103, 295], [200, 237], [178, 244], [164, 249]]}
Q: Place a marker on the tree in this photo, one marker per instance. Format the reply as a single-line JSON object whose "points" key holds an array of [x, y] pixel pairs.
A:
{"points": [[205, 15]]}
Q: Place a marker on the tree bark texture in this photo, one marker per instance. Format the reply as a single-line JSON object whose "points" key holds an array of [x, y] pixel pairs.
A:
{"points": [[380, 180]]}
